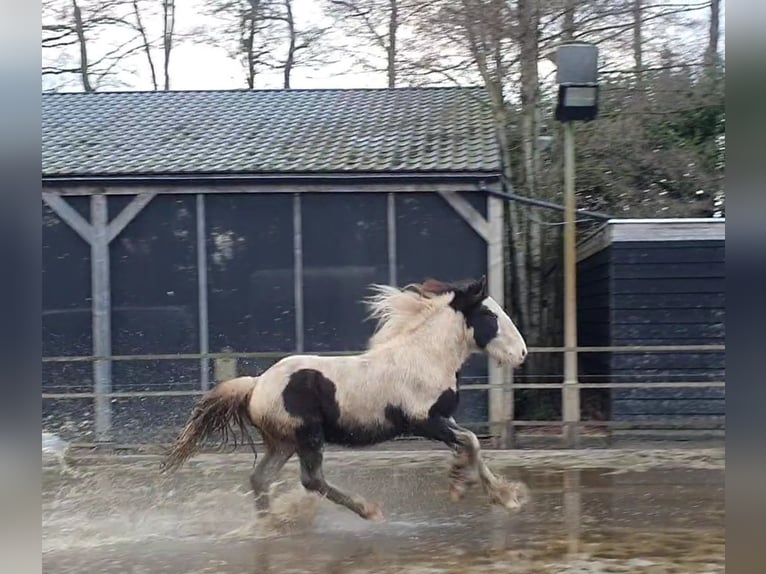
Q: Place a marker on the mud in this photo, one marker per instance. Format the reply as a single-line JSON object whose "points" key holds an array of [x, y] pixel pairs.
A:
{"points": [[589, 512]]}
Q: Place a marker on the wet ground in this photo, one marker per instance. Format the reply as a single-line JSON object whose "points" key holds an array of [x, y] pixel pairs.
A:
{"points": [[590, 512]]}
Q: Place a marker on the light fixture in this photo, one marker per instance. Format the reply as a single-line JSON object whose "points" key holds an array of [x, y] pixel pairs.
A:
{"points": [[577, 76]]}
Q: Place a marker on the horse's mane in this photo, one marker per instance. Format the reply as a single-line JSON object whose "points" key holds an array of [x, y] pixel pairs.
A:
{"points": [[398, 310]]}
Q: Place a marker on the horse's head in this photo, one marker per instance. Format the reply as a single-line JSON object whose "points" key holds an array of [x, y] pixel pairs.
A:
{"points": [[488, 328]]}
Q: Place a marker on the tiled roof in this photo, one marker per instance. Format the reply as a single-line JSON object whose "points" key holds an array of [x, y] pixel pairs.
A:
{"points": [[268, 132]]}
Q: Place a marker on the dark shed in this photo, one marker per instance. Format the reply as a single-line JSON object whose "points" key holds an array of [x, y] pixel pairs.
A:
{"points": [[247, 221], [654, 282]]}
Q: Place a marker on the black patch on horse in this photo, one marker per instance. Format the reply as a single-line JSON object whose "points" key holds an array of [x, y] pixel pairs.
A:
{"points": [[310, 396], [445, 406], [484, 324], [469, 295]]}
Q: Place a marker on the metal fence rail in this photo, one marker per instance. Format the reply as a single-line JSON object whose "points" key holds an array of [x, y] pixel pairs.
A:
{"points": [[502, 430]]}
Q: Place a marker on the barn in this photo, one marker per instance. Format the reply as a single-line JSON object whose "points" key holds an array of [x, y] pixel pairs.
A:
{"points": [[656, 282], [178, 226]]}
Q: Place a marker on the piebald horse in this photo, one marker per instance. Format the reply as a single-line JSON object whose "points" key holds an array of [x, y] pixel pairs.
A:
{"points": [[404, 384]]}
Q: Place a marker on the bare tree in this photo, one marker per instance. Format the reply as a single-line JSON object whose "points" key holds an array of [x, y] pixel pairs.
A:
{"points": [[712, 57], [638, 46], [146, 42], [253, 26], [501, 44], [267, 35], [568, 28], [247, 32], [79, 29], [74, 49], [373, 24], [302, 43], [292, 42], [528, 17]]}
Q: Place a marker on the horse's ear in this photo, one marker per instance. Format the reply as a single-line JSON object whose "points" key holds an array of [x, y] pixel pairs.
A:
{"points": [[477, 290], [483, 286], [473, 293]]}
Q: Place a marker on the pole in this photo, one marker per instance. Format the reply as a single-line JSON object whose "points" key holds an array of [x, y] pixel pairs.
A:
{"points": [[101, 303], [391, 225], [202, 303], [496, 286], [298, 270], [571, 391]]}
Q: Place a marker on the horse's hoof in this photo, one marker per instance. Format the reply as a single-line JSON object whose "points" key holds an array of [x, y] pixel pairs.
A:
{"points": [[373, 512], [510, 495], [457, 491]]}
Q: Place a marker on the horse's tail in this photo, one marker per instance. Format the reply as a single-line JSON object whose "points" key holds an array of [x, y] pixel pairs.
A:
{"points": [[220, 411]]}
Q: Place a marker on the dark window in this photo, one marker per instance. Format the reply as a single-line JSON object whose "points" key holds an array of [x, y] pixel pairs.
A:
{"points": [[66, 319], [250, 272], [344, 250], [434, 241]]}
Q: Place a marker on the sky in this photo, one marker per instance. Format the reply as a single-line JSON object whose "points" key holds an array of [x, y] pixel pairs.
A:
{"points": [[201, 66], [204, 67]]}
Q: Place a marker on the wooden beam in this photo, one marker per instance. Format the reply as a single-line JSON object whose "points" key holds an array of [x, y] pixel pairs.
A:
{"points": [[128, 214], [102, 330], [498, 409], [298, 270], [264, 187], [391, 236], [68, 215], [202, 285], [668, 230], [467, 211]]}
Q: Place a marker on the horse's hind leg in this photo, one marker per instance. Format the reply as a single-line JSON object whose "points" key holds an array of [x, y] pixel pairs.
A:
{"points": [[266, 471], [312, 478]]}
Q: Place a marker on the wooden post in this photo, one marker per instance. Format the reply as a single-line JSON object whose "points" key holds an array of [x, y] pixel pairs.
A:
{"points": [[391, 236], [101, 309], [98, 234], [491, 230], [202, 308], [498, 411], [570, 392], [298, 270]]}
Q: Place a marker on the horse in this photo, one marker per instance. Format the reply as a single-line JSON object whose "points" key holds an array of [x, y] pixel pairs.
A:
{"points": [[404, 384]]}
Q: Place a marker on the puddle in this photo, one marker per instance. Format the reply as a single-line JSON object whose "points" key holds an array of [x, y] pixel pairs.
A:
{"points": [[117, 515]]}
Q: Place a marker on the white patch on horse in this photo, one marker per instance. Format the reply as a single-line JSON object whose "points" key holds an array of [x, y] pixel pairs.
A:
{"points": [[508, 347]]}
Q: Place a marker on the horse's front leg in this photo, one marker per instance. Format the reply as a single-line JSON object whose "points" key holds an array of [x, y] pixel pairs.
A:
{"points": [[464, 471], [465, 447], [508, 494], [468, 463]]}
